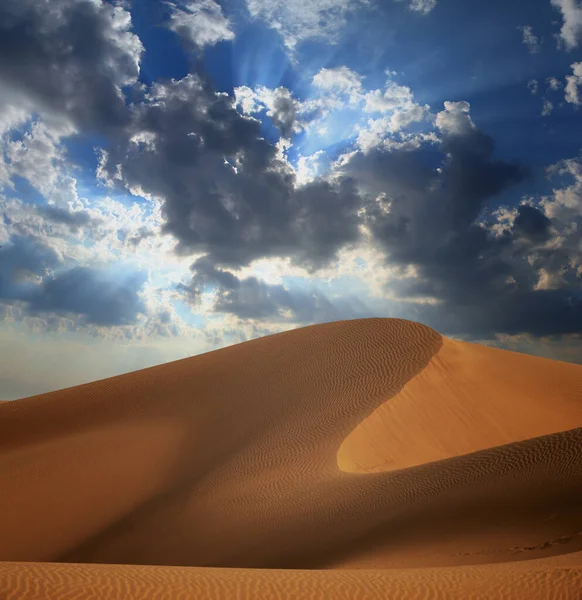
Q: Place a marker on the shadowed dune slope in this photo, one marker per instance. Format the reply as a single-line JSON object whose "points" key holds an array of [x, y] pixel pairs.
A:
{"points": [[366, 444]]}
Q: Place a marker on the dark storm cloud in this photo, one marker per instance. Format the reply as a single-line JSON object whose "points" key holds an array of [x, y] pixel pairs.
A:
{"points": [[531, 222], [68, 58], [97, 297], [226, 193], [251, 298], [535, 312], [19, 260], [428, 216], [484, 283]]}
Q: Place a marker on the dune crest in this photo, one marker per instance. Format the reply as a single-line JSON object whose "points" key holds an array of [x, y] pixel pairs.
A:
{"points": [[252, 457]]}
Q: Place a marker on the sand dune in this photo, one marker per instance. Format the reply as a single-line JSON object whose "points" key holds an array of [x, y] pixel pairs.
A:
{"points": [[369, 457]]}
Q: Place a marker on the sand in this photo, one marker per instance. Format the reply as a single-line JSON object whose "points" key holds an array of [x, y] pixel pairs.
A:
{"points": [[368, 458]]}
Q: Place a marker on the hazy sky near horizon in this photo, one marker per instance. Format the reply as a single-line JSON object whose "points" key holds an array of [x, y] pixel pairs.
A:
{"points": [[180, 176]]}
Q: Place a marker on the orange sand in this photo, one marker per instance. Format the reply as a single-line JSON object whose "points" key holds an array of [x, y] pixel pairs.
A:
{"points": [[368, 458]]}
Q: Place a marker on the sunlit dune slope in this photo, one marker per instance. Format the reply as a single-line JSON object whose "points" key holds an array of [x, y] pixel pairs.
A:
{"points": [[365, 444], [468, 398]]}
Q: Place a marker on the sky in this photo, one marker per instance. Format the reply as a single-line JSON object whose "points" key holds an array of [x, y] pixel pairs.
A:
{"points": [[180, 176]]}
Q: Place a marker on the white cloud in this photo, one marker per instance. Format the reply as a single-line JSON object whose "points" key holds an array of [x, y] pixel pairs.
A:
{"points": [[554, 83], [300, 20], [341, 87], [529, 38], [282, 108], [339, 82], [310, 167], [547, 108], [392, 97], [421, 6], [380, 133], [36, 157], [573, 83], [248, 100], [567, 201], [571, 31], [533, 86], [200, 22], [455, 119]]}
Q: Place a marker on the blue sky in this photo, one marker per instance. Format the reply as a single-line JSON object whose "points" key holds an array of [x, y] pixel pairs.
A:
{"points": [[179, 176]]}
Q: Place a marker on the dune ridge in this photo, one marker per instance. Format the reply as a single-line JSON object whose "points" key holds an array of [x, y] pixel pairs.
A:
{"points": [[333, 455]]}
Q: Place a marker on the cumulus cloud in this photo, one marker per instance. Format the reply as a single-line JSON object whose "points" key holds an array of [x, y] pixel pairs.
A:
{"points": [[200, 23], [282, 108], [428, 215], [392, 97], [573, 82], [529, 38], [554, 83], [339, 82], [455, 119], [238, 209], [571, 30], [74, 56], [38, 157]]}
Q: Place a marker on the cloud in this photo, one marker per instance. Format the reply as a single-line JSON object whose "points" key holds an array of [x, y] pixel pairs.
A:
{"points": [[547, 108], [310, 167], [248, 100], [393, 96], [74, 56], [455, 119], [31, 273], [234, 210], [200, 23], [39, 157], [279, 103], [435, 216], [22, 261], [571, 30], [298, 21], [250, 298], [422, 7], [531, 222], [97, 296], [529, 39], [533, 86], [74, 220], [427, 199], [572, 83], [339, 83], [35, 157], [554, 84], [335, 89]]}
